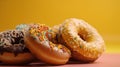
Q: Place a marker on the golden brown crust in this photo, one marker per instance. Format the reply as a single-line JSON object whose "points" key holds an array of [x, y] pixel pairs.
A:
{"points": [[21, 58], [46, 52], [83, 40]]}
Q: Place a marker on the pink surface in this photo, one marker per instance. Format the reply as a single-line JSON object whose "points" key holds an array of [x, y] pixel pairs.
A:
{"points": [[106, 60]]}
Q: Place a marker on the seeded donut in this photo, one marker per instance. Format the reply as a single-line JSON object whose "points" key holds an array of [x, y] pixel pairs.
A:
{"points": [[37, 39], [13, 49], [82, 39]]}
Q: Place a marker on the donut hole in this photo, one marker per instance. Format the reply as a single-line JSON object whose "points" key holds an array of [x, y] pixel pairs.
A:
{"points": [[85, 36], [82, 37]]}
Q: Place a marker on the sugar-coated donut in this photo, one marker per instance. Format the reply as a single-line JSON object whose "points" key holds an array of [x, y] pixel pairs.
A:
{"points": [[82, 39], [37, 39], [13, 49]]}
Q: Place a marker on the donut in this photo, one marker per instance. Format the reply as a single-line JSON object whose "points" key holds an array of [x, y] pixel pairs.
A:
{"points": [[37, 39], [13, 49], [85, 43], [22, 27], [56, 35]]}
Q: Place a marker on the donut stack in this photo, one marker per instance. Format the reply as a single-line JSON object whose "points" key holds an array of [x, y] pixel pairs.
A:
{"points": [[74, 38]]}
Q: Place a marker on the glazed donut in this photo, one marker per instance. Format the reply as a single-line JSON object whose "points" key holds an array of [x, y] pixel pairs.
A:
{"points": [[37, 40], [82, 39], [56, 35], [12, 48]]}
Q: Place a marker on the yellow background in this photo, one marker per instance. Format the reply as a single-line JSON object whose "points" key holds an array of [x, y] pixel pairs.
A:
{"points": [[104, 15]]}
